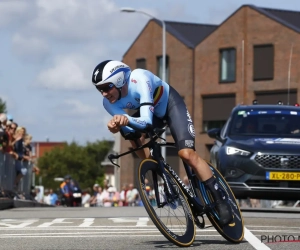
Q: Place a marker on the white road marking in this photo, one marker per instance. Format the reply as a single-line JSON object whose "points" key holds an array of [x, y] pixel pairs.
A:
{"points": [[87, 222], [142, 222], [23, 223], [139, 221], [254, 241], [55, 221], [90, 235]]}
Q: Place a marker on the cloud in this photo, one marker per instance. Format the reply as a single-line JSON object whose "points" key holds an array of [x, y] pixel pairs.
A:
{"points": [[67, 72], [74, 21], [32, 49], [77, 108], [14, 12]]}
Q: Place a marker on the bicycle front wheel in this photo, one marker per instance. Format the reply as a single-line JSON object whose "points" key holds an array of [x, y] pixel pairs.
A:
{"points": [[233, 232], [173, 217]]}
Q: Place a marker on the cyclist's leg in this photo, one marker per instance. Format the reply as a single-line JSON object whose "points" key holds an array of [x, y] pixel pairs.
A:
{"points": [[182, 130]]}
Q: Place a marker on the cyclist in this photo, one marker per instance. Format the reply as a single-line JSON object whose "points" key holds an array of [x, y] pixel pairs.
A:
{"points": [[159, 104]]}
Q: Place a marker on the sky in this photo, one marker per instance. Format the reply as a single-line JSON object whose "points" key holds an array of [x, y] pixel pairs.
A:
{"points": [[49, 48]]}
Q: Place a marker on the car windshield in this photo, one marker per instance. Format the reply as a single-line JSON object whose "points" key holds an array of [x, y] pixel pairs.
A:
{"points": [[266, 122]]}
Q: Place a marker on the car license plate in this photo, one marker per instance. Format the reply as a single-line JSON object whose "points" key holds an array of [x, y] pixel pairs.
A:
{"points": [[283, 176]]}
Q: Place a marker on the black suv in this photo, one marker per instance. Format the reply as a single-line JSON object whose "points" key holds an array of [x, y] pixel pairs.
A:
{"points": [[258, 151]]}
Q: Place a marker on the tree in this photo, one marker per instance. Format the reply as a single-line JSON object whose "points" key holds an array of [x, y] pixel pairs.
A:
{"points": [[83, 163], [2, 106]]}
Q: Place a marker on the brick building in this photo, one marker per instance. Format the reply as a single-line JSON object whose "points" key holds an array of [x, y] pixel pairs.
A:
{"points": [[253, 54], [40, 148]]}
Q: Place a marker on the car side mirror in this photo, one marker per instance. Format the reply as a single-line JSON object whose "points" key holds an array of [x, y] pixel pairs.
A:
{"points": [[214, 133]]}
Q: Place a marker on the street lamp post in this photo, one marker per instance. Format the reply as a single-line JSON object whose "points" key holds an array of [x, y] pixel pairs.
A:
{"points": [[130, 10]]}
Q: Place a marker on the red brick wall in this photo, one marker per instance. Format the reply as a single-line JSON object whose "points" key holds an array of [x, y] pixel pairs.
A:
{"points": [[149, 45], [254, 28]]}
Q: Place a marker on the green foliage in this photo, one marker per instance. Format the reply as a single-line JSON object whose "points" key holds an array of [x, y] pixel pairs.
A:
{"points": [[83, 163], [2, 106]]}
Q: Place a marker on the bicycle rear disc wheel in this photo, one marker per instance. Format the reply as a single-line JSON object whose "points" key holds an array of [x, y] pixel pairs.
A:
{"points": [[174, 220], [234, 231]]}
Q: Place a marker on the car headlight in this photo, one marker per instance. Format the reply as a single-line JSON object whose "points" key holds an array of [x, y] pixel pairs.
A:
{"points": [[236, 151]]}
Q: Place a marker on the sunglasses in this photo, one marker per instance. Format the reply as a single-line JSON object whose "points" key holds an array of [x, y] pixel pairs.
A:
{"points": [[105, 88]]}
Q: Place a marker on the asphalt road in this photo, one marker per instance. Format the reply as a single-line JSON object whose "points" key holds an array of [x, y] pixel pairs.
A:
{"points": [[130, 228]]}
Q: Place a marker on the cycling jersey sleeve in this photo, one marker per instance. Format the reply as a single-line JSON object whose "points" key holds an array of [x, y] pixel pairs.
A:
{"points": [[115, 110], [145, 89]]}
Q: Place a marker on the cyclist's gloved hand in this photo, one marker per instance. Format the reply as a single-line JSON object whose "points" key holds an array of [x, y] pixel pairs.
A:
{"points": [[132, 135]]}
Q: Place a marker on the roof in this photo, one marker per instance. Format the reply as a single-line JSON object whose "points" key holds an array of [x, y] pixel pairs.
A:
{"points": [[190, 34], [267, 106], [288, 18]]}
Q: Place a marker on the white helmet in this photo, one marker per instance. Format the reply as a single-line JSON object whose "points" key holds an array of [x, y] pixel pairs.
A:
{"points": [[111, 72]]}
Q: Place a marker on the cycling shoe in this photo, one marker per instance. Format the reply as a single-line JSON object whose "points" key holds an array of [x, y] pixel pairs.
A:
{"points": [[225, 213]]}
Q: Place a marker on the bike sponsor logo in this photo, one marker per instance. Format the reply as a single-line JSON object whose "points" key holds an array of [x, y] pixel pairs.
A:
{"points": [[185, 207], [119, 81], [129, 105], [149, 86], [232, 203], [189, 118], [167, 184], [191, 129], [95, 74], [189, 143], [117, 67], [179, 180], [151, 108], [139, 121]]}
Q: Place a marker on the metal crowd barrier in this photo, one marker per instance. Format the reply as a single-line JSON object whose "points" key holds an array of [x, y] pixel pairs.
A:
{"points": [[8, 175]]}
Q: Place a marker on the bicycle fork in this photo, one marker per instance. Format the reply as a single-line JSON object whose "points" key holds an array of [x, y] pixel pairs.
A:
{"points": [[170, 194]]}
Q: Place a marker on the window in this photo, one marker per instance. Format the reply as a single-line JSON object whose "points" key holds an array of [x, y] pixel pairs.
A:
{"points": [[160, 68], [216, 110], [207, 125], [263, 62], [141, 63], [227, 65]]}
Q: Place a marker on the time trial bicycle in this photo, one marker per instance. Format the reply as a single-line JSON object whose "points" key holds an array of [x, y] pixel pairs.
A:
{"points": [[173, 207]]}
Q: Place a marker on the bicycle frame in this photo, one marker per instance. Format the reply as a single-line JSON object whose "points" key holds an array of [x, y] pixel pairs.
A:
{"points": [[197, 207]]}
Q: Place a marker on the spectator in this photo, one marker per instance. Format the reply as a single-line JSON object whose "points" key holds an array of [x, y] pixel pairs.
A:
{"points": [[132, 196], [3, 141], [114, 197], [18, 154], [66, 191], [86, 197], [10, 131], [38, 195], [99, 198], [52, 197], [3, 133], [123, 195], [3, 120], [46, 198], [93, 199], [27, 147]]}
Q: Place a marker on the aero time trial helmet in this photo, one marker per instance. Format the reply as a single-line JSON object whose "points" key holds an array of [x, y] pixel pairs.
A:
{"points": [[109, 71]]}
